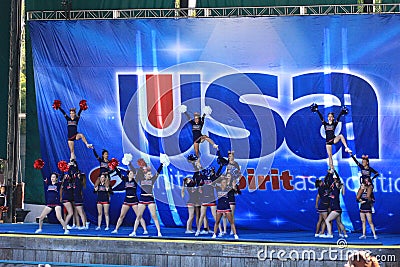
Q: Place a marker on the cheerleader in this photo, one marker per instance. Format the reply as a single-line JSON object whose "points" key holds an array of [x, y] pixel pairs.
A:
{"points": [[131, 199], [72, 122], [52, 190], [146, 183], [336, 210], [192, 204], [223, 207], [330, 127], [197, 125], [321, 205], [103, 191], [3, 202], [232, 183], [207, 192], [364, 197], [366, 170], [67, 197], [79, 182], [103, 160]]}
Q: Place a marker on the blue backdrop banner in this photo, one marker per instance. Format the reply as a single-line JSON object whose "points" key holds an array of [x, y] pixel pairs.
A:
{"points": [[259, 76]]}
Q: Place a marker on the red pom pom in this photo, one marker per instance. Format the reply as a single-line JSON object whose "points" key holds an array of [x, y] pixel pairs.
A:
{"points": [[83, 105], [113, 163], [56, 104], [63, 166], [38, 164], [141, 163]]}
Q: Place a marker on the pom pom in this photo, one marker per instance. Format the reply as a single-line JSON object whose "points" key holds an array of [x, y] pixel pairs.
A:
{"points": [[182, 108], [63, 166], [127, 158], [83, 105], [113, 163], [141, 163], [38, 164], [314, 107], [344, 110], [56, 104], [207, 110], [164, 160]]}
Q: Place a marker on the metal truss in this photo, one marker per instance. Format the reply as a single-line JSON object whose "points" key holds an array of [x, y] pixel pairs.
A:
{"points": [[225, 12]]}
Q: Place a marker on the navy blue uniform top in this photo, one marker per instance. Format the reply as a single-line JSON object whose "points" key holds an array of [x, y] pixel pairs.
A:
{"points": [[68, 189], [329, 127], [196, 127], [206, 183], [324, 199], [223, 199], [335, 198], [103, 195], [52, 193], [146, 186], [365, 172], [78, 188], [367, 206], [104, 168], [130, 187], [72, 123]]}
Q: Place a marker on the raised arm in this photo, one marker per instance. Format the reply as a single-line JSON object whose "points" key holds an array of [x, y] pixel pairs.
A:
{"points": [[187, 116], [356, 161], [96, 155], [158, 172], [64, 113], [320, 115]]}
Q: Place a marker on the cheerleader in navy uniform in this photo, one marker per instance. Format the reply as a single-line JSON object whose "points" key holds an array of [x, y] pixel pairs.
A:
{"points": [[336, 210], [223, 207], [67, 197], [364, 197], [146, 183], [52, 190], [207, 192], [3, 201], [193, 204], [366, 170], [330, 127], [232, 183], [72, 121], [103, 160], [131, 199], [79, 182], [103, 191], [321, 205], [197, 125]]}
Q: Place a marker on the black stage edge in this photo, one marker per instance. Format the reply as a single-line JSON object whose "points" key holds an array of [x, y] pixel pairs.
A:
{"points": [[100, 248]]}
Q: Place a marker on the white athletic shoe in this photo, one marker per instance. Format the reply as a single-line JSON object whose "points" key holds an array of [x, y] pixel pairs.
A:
{"points": [[98, 228], [38, 231], [214, 236], [189, 232], [82, 228], [316, 235], [329, 236], [323, 236], [145, 232], [66, 232], [375, 237], [69, 227], [341, 235], [132, 234], [348, 150], [345, 236], [159, 234], [362, 237], [115, 231], [231, 233], [220, 235], [87, 224], [204, 232], [106, 229], [236, 236], [197, 233], [215, 146]]}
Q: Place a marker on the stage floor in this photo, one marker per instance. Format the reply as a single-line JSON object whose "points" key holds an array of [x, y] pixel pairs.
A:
{"points": [[295, 237]]}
